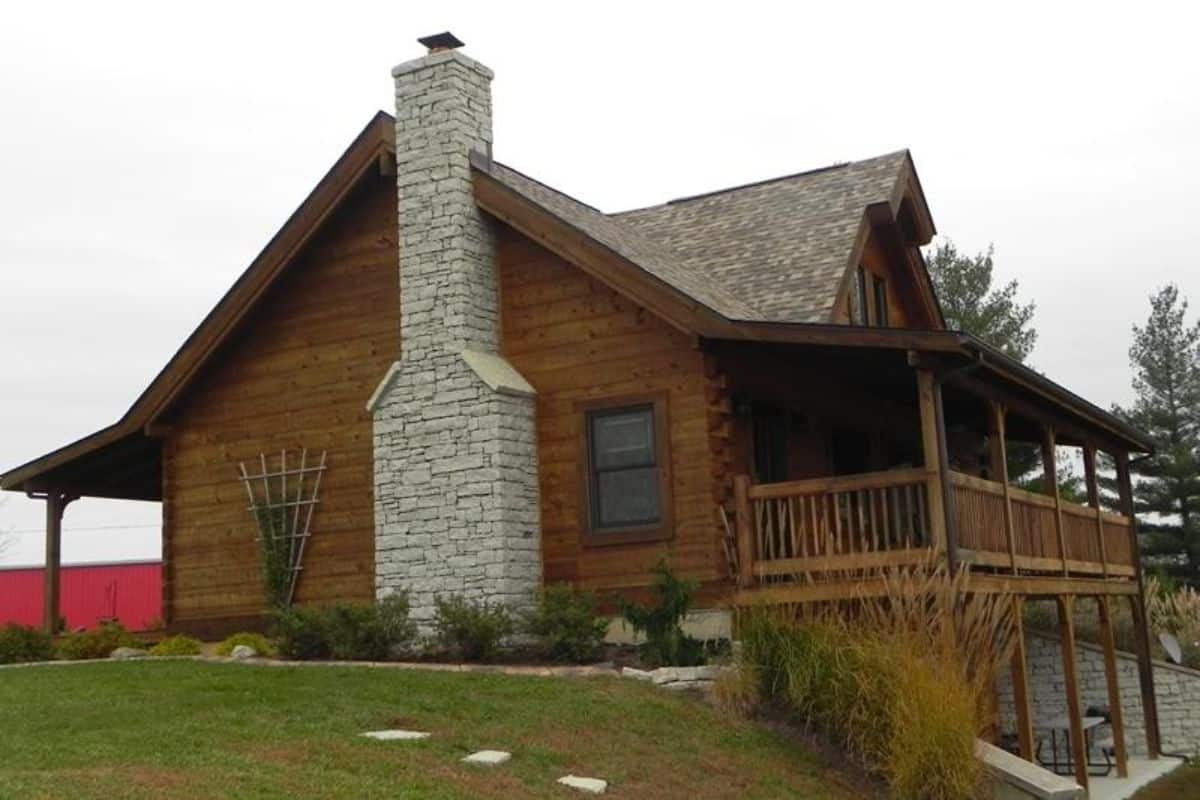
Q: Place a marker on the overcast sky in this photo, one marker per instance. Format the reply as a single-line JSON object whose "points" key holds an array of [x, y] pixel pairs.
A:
{"points": [[148, 153]]}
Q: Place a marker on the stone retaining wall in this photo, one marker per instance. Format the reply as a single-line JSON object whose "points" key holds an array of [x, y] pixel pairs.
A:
{"points": [[1176, 688]]}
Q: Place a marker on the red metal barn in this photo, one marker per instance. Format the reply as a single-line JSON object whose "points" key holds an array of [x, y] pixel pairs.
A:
{"points": [[130, 592]]}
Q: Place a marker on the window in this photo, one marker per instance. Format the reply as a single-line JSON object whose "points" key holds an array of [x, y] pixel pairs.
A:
{"points": [[858, 300], [881, 303], [626, 494]]}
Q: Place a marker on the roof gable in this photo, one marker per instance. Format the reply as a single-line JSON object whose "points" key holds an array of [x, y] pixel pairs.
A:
{"points": [[784, 245]]}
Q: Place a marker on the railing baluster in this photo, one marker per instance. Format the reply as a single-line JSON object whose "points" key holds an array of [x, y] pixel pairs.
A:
{"points": [[837, 521], [862, 525]]}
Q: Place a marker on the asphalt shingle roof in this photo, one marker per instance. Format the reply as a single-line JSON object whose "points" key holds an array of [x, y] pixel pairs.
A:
{"points": [[771, 251]]}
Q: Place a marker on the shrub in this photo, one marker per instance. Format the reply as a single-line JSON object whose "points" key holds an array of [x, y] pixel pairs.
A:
{"points": [[19, 644], [96, 643], [738, 691], [666, 643], [565, 625], [468, 629], [901, 681], [261, 644], [346, 631], [176, 646]]}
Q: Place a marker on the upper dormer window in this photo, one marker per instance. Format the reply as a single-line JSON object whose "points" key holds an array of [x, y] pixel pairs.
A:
{"points": [[859, 310], [881, 301]]}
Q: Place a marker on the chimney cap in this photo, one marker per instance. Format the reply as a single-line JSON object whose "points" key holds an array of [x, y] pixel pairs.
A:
{"points": [[441, 41]]}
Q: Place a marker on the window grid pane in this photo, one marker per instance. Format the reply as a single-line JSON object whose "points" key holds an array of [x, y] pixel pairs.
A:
{"points": [[623, 468]]}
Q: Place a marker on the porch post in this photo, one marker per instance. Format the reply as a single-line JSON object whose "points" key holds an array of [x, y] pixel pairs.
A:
{"points": [[745, 530], [1141, 625], [933, 446], [56, 504], [1050, 468], [1066, 624], [999, 457], [1020, 682], [1108, 641]]}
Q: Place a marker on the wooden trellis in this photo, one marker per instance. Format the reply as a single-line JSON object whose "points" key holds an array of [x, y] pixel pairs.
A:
{"points": [[282, 510]]}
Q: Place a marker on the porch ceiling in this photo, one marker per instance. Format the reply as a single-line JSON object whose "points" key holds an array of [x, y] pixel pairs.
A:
{"points": [[121, 467], [881, 361]]}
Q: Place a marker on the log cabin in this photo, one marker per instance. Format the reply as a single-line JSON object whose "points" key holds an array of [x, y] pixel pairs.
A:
{"points": [[443, 376]]}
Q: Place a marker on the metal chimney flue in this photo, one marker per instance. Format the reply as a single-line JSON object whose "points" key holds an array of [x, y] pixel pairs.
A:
{"points": [[440, 41]]}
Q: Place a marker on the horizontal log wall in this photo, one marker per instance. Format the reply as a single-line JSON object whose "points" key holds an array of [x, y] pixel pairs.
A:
{"points": [[576, 340], [297, 374]]}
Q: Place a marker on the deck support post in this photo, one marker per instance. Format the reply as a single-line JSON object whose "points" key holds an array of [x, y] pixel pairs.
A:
{"points": [[999, 472], [1108, 642], [1050, 470], [1137, 602], [1066, 625], [1020, 682], [56, 504], [744, 529], [933, 447]]}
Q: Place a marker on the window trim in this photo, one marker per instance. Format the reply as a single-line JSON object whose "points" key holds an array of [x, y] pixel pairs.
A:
{"points": [[664, 527]]}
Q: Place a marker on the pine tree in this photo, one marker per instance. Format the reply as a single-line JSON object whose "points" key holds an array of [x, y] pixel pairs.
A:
{"points": [[969, 303], [1165, 356]]}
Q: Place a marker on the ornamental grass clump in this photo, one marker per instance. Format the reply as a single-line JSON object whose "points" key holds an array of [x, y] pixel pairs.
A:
{"points": [[256, 641], [902, 681]]}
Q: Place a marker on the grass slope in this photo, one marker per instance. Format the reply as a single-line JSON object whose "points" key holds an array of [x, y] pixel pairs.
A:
{"points": [[1180, 784], [185, 729]]}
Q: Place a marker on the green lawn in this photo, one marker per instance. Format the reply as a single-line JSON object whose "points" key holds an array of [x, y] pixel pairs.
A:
{"points": [[187, 729], [1180, 784]]}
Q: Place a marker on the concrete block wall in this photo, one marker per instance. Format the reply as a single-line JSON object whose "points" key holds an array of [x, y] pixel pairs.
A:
{"points": [[1176, 688]]}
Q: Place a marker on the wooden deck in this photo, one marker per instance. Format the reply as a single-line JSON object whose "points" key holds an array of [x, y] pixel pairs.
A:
{"points": [[835, 537]]}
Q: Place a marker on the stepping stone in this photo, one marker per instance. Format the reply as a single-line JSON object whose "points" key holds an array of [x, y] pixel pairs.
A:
{"points": [[589, 785], [488, 758], [396, 736]]}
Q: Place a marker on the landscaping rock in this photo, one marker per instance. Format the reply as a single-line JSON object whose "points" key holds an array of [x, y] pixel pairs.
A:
{"points": [[665, 675], [636, 674], [589, 785], [488, 758], [396, 735], [243, 651], [127, 653]]}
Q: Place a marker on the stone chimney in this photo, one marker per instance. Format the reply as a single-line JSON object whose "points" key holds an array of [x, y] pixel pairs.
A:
{"points": [[456, 487]]}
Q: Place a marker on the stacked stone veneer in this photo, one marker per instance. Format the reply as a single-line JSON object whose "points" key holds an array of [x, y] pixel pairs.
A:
{"points": [[456, 491], [1176, 688]]}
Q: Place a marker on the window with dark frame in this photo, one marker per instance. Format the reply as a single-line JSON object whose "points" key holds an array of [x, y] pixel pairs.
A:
{"points": [[881, 303], [860, 291], [624, 483]]}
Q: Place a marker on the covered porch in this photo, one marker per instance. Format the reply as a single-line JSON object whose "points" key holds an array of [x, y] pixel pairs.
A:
{"points": [[849, 461]]}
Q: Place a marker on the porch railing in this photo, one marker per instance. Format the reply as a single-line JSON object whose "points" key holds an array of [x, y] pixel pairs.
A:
{"points": [[854, 522], [1046, 536], [862, 523]]}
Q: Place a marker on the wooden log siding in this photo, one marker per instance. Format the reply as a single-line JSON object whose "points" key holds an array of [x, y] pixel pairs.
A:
{"points": [[979, 506], [297, 374], [831, 524], [576, 340]]}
